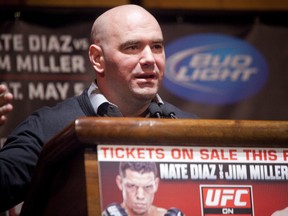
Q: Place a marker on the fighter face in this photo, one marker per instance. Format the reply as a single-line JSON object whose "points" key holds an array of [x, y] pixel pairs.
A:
{"points": [[138, 191]]}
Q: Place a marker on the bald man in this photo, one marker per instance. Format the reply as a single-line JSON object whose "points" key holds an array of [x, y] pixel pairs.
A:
{"points": [[128, 58], [127, 54]]}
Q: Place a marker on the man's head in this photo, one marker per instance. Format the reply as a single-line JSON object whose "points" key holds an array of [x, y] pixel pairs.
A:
{"points": [[138, 182], [127, 55]]}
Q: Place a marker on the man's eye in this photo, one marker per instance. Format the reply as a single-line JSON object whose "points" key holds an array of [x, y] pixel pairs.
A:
{"points": [[132, 47], [148, 187], [131, 186], [158, 46]]}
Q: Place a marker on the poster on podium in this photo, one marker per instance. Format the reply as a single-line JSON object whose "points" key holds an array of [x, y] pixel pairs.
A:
{"points": [[204, 181]]}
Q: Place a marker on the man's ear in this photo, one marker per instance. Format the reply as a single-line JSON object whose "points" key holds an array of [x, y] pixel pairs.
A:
{"points": [[119, 182], [96, 58]]}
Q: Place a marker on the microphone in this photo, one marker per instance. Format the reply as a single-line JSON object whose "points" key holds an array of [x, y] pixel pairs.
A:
{"points": [[155, 110], [167, 112]]}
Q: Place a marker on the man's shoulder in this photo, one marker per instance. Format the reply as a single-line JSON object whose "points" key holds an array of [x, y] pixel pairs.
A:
{"points": [[70, 106], [158, 211]]}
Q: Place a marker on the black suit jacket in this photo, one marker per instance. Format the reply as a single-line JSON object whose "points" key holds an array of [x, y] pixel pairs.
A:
{"points": [[19, 156]]}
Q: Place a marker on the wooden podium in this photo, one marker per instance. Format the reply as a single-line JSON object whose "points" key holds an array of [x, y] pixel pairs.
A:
{"points": [[66, 179]]}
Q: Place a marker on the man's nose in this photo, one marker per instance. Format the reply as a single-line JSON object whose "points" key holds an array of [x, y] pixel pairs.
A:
{"points": [[140, 193], [147, 56]]}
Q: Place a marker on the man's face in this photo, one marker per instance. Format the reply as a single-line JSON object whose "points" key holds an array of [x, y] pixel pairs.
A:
{"points": [[138, 191], [134, 58]]}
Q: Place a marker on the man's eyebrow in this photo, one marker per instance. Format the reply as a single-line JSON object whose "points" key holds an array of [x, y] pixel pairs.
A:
{"points": [[159, 41], [135, 42], [129, 43]]}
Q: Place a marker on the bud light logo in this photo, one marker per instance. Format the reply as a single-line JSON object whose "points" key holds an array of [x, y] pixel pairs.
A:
{"points": [[214, 69]]}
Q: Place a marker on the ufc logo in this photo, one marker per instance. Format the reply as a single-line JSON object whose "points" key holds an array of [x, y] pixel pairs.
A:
{"points": [[224, 197], [220, 200]]}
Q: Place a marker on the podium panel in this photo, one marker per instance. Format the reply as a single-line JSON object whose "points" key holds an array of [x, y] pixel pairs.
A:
{"points": [[66, 180]]}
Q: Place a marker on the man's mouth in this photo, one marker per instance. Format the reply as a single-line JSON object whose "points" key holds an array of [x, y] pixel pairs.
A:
{"points": [[140, 205], [146, 76]]}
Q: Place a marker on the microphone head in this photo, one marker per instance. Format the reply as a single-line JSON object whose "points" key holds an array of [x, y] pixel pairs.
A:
{"points": [[167, 112], [155, 110]]}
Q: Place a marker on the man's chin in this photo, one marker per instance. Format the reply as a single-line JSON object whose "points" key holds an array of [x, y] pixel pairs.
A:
{"points": [[139, 212], [146, 94]]}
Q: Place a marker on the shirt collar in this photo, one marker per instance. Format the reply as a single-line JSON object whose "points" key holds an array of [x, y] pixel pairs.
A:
{"points": [[97, 98]]}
